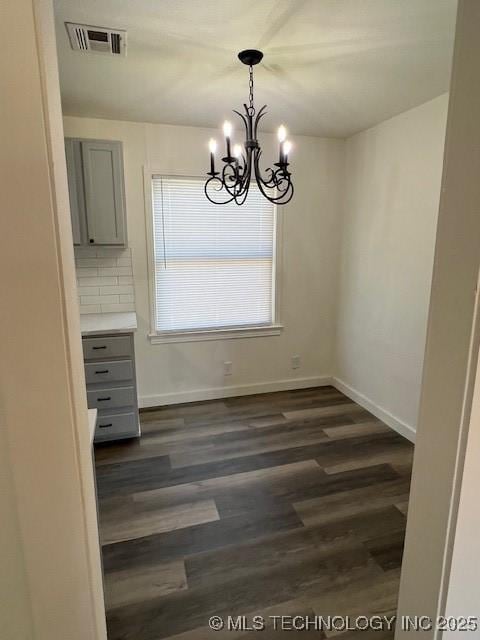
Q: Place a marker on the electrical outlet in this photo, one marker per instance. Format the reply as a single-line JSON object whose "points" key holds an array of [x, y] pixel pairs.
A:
{"points": [[227, 368], [295, 362]]}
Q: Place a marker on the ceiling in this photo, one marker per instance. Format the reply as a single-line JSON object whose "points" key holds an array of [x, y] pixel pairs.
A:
{"points": [[331, 67]]}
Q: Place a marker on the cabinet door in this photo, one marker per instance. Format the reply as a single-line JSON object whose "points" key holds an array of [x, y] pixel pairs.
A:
{"points": [[104, 192], [73, 192]]}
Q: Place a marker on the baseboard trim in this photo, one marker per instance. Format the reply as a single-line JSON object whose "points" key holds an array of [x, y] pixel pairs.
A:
{"points": [[289, 384], [216, 393], [404, 429]]}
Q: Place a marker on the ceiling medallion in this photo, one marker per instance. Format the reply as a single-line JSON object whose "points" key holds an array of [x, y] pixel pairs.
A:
{"points": [[242, 164]]}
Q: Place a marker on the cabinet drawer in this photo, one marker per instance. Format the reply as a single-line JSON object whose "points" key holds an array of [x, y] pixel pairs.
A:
{"points": [[116, 426], [106, 371], [108, 347], [111, 398]]}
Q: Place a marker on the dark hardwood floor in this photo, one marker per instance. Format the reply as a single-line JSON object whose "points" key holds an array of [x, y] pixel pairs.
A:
{"points": [[290, 503]]}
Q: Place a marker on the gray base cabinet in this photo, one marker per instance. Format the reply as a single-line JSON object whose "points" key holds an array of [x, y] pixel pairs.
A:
{"points": [[111, 385]]}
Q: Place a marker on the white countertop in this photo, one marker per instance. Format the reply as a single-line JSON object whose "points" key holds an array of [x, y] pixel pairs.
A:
{"points": [[92, 423], [100, 323]]}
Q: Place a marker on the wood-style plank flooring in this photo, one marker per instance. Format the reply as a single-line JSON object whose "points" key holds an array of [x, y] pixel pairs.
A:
{"points": [[276, 504]]}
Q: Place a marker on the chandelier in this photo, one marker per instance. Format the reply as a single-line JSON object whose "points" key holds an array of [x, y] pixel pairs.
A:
{"points": [[242, 164]]}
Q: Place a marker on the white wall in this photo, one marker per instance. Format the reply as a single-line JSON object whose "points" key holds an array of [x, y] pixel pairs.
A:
{"points": [[392, 191], [189, 371]]}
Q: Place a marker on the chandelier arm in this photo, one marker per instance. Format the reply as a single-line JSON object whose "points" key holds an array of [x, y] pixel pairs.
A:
{"points": [[232, 188], [232, 181], [245, 121], [205, 189], [226, 167], [281, 177], [258, 176], [236, 181], [286, 194], [271, 181], [242, 171], [247, 175], [242, 196], [283, 198], [266, 182], [277, 176], [260, 115], [243, 175]]}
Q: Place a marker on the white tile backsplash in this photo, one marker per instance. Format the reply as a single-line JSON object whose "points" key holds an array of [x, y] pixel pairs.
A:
{"points": [[99, 300], [86, 272], [104, 279], [118, 289], [97, 262], [88, 291], [95, 281], [115, 271]]}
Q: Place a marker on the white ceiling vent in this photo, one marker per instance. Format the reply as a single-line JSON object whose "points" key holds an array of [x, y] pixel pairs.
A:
{"points": [[89, 39]]}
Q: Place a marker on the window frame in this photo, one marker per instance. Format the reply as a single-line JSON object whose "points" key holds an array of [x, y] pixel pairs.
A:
{"points": [[226, 333]]}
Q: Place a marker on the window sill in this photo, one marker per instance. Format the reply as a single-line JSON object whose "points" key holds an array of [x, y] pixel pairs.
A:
{"points": [[215, 334]]}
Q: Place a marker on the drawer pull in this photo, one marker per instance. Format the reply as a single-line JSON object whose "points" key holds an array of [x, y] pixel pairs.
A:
{"points": [[102, 371], [97, 348], [104, 399], [104, 426]]}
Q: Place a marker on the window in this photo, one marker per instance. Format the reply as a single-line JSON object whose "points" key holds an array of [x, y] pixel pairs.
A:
{"points": [[213, 267]]}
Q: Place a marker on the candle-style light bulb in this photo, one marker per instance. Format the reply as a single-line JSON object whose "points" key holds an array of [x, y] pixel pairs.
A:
{"points": [[212, 145], [281, 133], [286, 148]]}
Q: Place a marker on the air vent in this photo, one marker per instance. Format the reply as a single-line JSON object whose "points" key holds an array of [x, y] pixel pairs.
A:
{"points": [[88, 39]]}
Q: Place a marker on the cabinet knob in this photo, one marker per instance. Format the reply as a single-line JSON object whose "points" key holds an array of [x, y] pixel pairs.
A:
{"points": [[91, 240]]}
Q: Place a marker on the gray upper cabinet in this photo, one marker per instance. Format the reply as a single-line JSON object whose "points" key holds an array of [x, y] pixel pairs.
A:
{"points": [[104, 202], [96, 185], [78, 234]]}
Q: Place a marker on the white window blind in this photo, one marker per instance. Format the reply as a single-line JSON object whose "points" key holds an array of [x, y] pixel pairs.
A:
{"points": [[213, 263]]}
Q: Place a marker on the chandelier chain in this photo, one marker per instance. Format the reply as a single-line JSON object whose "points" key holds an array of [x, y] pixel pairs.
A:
{"points": [[250, 85]]}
